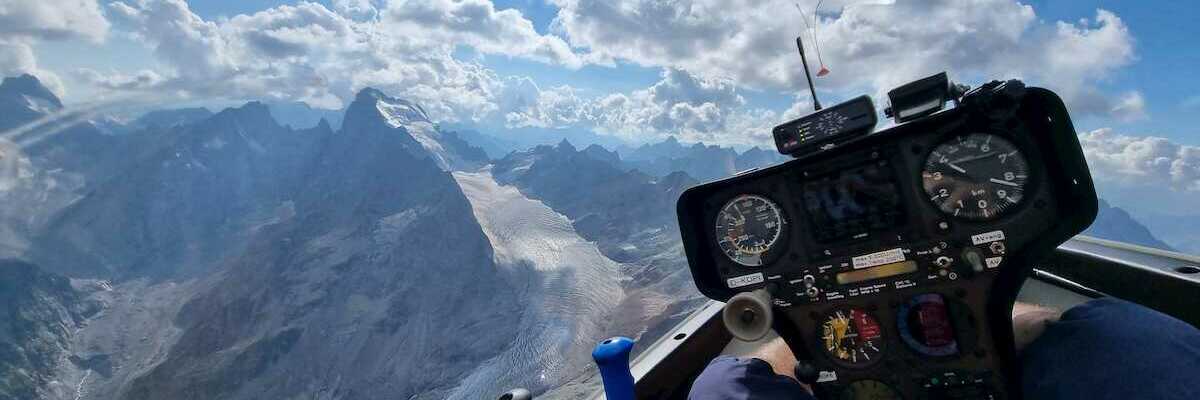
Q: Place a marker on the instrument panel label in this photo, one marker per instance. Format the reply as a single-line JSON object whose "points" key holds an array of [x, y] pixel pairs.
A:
{"points": [[987, 237], [993, 262], [878, 258], [744, 280]]}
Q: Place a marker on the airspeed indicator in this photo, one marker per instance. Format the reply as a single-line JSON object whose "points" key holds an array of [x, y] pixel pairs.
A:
{"points": [[748, 228]]}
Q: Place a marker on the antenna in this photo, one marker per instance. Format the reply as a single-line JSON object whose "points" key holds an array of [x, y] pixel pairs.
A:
{"points": [[812, 89]]}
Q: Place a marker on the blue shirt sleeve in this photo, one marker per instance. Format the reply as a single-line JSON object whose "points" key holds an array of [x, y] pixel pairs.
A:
{"points": [[730, 378]]}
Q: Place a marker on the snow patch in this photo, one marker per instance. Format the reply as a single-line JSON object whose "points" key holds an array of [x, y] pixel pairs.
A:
{"points": [[410, 117], [39, 105], [392, 228], [254, 144], [399, 113]]}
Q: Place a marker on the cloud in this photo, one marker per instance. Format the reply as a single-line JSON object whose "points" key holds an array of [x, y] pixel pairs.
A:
{"points": [[16, 57], [311, 53], [479, 24], [23, 23], [680, 104], [1130, 107], [139, 80], [1149, 160], [869, 47], [53, 20], [357, 9]]}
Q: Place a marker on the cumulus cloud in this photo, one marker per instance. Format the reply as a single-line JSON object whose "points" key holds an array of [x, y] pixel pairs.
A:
{"points": [[680, 104], [479, 24], [55, 20], [312, 53], [139, 80], [16, 58], [357, 9], [869, 47], [524, 104], [1148, 160], [23, 23]]}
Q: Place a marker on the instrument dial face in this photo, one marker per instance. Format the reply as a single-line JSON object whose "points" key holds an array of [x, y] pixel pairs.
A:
{"points": [[925, 326], [747, 228], [869, 389], [852, 337], [976, 177]]}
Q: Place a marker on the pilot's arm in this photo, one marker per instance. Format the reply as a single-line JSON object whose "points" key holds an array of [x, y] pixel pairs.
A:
{"points": [[764, 374]]}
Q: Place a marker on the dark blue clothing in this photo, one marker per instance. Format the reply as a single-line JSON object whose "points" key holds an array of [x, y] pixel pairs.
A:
{"points": [[1099, 350]]}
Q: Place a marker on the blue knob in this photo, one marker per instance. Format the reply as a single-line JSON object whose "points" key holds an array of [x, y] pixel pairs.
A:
{"points": [[612, 356]]}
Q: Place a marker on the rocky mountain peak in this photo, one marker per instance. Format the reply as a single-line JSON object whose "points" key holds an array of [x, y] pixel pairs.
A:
{"points": [[323, 125], [1114, 223], [254, 112], [32, 90], [24, 99], [395, 111], [598, 152], [565, 145], [374, 114]]}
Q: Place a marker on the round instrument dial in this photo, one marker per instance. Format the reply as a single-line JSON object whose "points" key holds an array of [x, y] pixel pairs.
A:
{"points": [[852, 337], [748, 228], [925, 326], [976, 177], [869, 389]]}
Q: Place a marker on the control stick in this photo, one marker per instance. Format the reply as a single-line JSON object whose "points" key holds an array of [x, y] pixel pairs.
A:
{"points": [[612, 357], [806, 373], [748, 315]]}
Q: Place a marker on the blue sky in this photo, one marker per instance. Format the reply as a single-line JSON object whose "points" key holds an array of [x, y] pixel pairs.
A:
{"points": [[1168, 57], [702, 70]]}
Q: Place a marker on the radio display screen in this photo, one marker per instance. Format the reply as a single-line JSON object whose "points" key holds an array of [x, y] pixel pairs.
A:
{"points": [[853, 203]]}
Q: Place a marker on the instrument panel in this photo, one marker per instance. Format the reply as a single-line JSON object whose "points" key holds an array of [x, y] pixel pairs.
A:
{"points": [[892, 262]]}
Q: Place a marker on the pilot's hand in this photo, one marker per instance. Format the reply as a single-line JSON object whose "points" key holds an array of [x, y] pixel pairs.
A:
{"points": [[777, 353], [1029, 321]]}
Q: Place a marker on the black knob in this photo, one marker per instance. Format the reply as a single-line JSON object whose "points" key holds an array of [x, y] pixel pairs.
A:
{"points": [[747, 316], [806, 373]]}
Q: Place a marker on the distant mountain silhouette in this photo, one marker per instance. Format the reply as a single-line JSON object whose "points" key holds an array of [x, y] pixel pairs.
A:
{"points": [[703, 162], [1113, 223], [163, 119]]}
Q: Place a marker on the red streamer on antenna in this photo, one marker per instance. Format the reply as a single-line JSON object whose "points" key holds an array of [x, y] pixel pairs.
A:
{"points": [[812, 28]]}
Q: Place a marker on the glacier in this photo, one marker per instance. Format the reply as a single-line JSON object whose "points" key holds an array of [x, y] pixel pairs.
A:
{"points": [[571, 290]]}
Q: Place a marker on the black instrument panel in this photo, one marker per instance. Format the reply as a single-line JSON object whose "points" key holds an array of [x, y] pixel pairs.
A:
{"points": [[893, 260]]}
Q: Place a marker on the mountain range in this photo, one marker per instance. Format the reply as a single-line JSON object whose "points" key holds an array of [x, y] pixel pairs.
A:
{"points": [[233, 254], [704, 162]]}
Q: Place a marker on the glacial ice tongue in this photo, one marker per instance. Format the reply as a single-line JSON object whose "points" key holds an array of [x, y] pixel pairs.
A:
{"points": [[570, 288]]}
